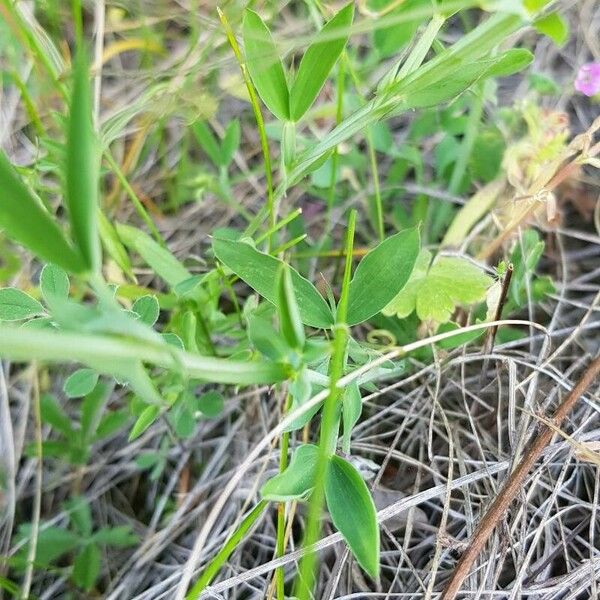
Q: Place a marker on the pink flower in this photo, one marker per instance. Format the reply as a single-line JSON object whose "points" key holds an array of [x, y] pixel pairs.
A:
{"points": [[588, 79]]}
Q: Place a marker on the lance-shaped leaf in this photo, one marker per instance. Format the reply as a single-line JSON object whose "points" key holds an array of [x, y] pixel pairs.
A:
{"points": [[462, 78], [25, 220], [260, 272], [381, 274], [82, 169], [289, 315], [318, 60], [264, 65], [165, 265], [353, 512], [296, 482]]}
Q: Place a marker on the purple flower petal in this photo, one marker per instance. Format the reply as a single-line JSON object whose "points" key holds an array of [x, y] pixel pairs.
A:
{"points": [[588, 79]]}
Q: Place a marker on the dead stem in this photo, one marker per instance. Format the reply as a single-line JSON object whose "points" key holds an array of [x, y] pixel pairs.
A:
{"points": [[496, 511]]}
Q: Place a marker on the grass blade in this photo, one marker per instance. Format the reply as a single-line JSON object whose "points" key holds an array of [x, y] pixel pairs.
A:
{"points": [[26, 221], [82, 169], [107, 351]]}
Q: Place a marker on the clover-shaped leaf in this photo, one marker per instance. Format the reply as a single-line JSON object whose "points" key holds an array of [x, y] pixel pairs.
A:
{"points": [[434, 291]]}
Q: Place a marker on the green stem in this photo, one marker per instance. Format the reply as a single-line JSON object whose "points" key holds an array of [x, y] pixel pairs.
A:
{"points": [[282, 223], [339, 111], [376, 188], [259, 120], [230, 545], [280, 547], [329, 425], [139, 207], [289, 244]]}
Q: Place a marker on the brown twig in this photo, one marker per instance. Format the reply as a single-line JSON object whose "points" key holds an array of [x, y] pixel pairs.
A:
{"points": [[490, 339], [491, 336], [515, 481]]}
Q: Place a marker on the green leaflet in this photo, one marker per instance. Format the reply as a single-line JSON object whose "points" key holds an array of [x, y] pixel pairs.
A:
{"points": [[436, 291], [264, 65], [147, 309], [80, 383], [351, 411], [289, 314], [296, 482], [86, 567], [381, 274], [260, 272], [318, 60], [148, 416], [353, 512], [54, 282], [166, 266], [16, 305], [555, 27]]}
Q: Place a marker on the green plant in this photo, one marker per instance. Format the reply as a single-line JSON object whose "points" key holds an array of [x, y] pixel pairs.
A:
{"points": [[171, 346], [79, 540]]}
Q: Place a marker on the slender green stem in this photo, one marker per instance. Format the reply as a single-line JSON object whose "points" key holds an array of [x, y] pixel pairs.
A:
{"points": [[376, 188], [290, 244], [329, 424], [28, 102], [37, 498], [280, 546], [139, 207], [339, 112], [228, 547], [279, 225], [259, 120]]}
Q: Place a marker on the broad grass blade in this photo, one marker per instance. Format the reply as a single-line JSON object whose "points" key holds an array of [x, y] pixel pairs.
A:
{"points": [[82, 169]]}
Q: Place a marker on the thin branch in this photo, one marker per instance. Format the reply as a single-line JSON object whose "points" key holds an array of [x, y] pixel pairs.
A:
{"points": [[515, 482]]}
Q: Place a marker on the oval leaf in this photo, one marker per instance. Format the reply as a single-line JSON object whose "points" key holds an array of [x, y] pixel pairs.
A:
{"points": [[80, 383], [83, 169], [317, 62], [87, 567], [16, 305], [54, 282], [260, 272], [264, 65], [147, 309], [381, 274], [148, 416], [353, 513], [210, 404], [24, 219], [297, 480]]}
